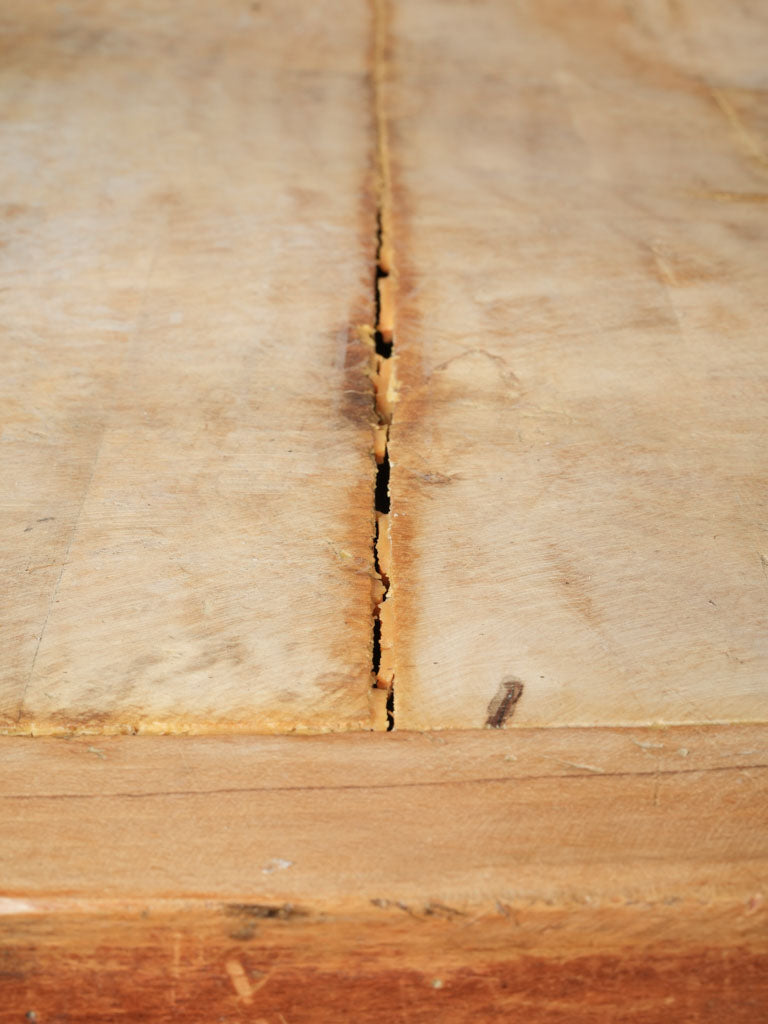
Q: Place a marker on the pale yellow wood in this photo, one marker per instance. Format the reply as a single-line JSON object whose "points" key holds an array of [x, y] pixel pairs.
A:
{"points": [[579, 448], [568, 198], [186, 470]]}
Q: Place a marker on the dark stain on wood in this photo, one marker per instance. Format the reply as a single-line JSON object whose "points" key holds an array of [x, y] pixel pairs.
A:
{"points": [[265, 911], [502, 706]]}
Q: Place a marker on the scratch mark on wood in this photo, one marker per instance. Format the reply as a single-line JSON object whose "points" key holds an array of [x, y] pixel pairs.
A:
{"points": [[289, 911], [581, 767], [239, 980]]}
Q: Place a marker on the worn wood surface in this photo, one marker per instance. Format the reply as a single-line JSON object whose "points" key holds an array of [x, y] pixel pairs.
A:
{"points": [[579, 469], [188, 237], [564, 873], [569, 201]]}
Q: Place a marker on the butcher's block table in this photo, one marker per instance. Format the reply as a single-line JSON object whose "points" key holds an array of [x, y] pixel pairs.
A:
{"points": [[383, 466]]}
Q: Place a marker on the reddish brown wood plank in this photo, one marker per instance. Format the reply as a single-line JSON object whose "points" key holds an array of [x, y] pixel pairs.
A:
{"points": [[236, 966], [188, 238]]}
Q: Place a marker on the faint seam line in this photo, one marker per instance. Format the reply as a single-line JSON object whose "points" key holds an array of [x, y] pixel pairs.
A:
{"points": [[142, 305], [591, 775], [723, 196], [64, 560], [749, 143], [668, 282]]}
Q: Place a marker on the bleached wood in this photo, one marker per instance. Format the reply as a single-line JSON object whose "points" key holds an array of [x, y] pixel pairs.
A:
{"points": [[578, 452], [186, 469]]}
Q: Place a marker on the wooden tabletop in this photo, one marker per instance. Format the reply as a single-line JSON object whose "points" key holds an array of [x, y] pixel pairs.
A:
{"points": [[393, 374]]}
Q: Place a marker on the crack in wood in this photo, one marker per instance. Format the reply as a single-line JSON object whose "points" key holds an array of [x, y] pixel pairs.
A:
{"points": [[383, 665]]}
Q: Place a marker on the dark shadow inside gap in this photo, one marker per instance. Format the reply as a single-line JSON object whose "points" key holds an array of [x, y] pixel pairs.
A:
{"points": [[381, 497], [376, 647], [383, 348]]}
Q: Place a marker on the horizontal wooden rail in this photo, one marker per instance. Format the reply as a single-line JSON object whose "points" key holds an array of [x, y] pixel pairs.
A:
{"points": [[563, 874]]}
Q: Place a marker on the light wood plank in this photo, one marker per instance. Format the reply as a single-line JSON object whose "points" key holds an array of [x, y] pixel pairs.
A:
{"points": [[187, 478], [579, 456]]}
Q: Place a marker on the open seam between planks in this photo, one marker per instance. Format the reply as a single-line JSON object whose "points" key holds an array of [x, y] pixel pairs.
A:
{"points": [[382, 378]]}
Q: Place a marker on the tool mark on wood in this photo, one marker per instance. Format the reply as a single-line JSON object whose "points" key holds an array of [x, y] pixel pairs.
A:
{"points": [[502, 705]]}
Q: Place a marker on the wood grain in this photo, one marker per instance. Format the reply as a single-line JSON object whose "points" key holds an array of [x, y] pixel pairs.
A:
{"points": [[570, 875], [570, 212], [236, 966], [479, 817], [578, 451], [187, 479]]}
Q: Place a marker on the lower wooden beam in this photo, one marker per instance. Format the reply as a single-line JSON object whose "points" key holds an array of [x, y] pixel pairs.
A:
{"points": [[547, 876], [527, 964]]}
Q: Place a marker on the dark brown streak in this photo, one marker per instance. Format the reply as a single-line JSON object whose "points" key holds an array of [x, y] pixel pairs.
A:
{"points": [[596, 775]]}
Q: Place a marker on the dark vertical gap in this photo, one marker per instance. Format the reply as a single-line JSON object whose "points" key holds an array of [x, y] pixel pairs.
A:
{"points": [[376, 619], [376, 645], [382, 499], [383, 352]]}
